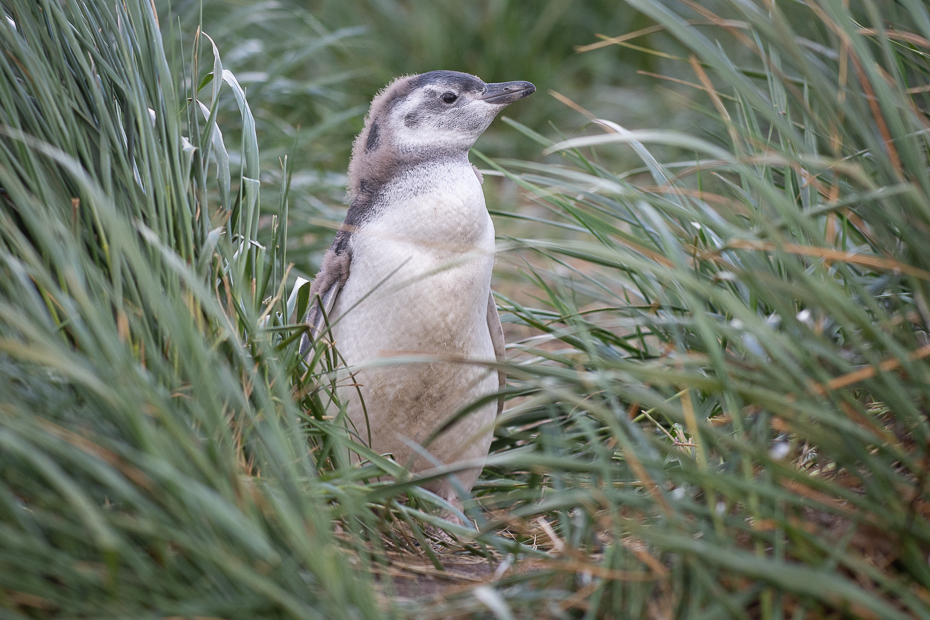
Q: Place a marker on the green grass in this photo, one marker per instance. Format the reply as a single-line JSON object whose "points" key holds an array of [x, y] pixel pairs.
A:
{"points": [[718, 337], [139, 381]]}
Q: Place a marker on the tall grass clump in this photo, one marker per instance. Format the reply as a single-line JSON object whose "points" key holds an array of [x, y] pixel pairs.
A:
{"points": [[722, 412], [304, 95], [152, 461]]}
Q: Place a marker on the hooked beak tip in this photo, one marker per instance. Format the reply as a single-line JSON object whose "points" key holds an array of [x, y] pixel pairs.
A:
{"points": [[504, 93]]}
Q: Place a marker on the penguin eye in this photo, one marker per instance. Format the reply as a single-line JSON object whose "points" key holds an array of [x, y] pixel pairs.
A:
{"points": [[449, 97]]}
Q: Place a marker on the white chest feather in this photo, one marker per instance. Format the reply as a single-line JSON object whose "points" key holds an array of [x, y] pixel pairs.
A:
{"points": [[421, 270]]}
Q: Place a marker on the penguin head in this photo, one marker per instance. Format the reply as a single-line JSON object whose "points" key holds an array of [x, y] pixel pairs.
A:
{"points": [[421, 116], [447, 110]]}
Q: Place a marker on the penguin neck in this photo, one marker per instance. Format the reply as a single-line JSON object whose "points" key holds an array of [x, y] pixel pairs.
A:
{"points": [[422, 174], [406, 160], [434, 207], [417, 159], [408, 172], [380, 168]]}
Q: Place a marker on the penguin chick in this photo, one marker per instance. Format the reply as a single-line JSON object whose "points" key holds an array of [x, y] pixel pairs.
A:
{"points": [[409, 274]]}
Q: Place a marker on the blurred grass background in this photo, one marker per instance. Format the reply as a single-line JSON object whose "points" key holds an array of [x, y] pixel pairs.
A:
{"points": [[715, 298]]}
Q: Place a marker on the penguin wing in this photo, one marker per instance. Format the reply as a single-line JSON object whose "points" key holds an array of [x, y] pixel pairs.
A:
{"points": [[497, 339], [323, 294]]}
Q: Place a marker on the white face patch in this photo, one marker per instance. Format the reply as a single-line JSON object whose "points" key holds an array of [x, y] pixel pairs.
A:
{"points": [[424, 120]]}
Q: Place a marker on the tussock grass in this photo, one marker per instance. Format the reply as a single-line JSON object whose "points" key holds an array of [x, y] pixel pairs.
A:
{"points": [[731, 392], [721, 411], [139, 375]]}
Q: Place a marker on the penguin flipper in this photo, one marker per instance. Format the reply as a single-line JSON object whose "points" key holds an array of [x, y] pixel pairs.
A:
{"points": [[497, 339], [323, 295]]}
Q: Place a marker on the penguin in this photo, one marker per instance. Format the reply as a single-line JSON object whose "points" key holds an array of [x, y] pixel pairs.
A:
{"points": [[409, 275]]}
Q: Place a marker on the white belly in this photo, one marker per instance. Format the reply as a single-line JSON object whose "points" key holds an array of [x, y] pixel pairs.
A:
{"points": [[418, 287]]}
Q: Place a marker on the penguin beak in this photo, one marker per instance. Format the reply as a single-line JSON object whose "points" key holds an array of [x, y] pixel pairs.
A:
{"points": [[503, 93]]}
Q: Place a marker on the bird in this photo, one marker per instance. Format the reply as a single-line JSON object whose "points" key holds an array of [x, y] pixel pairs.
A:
{"points": [[409, 275]]}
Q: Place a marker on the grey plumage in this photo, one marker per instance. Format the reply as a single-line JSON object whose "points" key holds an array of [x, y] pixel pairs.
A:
{"points": [[408, 274]]}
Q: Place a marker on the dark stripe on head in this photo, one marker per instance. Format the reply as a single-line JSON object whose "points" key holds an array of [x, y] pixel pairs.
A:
{"points": [[373, 140], [341, 242]]}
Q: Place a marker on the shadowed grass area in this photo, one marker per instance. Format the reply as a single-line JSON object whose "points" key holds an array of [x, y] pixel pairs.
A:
{"points": [[718, 353]]}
